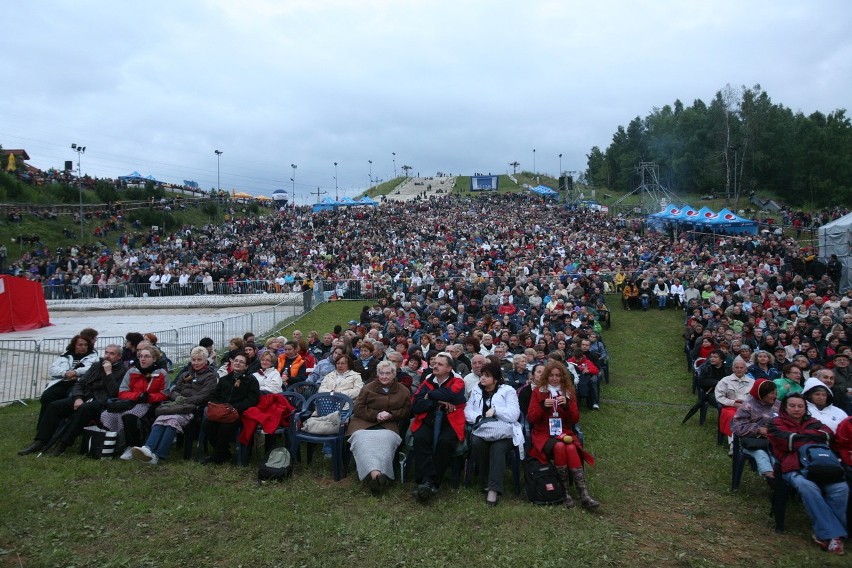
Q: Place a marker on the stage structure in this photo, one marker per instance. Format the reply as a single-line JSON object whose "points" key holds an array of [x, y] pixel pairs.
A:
{"points": [[652, 195]]}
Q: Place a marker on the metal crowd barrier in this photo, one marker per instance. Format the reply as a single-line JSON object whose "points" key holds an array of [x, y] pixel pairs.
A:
{"points": [[24, 364]]}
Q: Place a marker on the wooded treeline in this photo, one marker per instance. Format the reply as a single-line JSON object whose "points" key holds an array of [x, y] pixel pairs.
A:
{"points": [[740, 142]]}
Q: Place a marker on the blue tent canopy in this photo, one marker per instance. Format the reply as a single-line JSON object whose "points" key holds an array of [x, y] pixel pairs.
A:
{"points": [[136, 177], [543, 190], [725, 220]]}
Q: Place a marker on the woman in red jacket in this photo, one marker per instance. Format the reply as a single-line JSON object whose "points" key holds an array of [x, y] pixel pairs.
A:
{"points": [[826, 503], [144, 384], [552, 414]]}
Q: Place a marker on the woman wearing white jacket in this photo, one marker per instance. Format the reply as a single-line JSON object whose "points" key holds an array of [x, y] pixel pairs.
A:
{"points": [[661, 291], [493, 412], [66, 369], [820, 404], [342, 379]]}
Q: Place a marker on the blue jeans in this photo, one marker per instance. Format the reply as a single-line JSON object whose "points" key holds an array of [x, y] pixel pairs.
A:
{"points": [[160, 440], [661, 301], [761, 458], [646, 301], [825, 505]]}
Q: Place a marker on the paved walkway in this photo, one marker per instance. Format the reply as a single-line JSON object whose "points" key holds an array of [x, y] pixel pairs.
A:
{"points": [[413, 187]]}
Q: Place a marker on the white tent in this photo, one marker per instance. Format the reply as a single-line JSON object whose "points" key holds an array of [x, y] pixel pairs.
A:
{"points": [[836, 238]]}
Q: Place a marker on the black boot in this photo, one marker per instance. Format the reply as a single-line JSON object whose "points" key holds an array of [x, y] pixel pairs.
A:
{"points": [[566, 482], [132, 434], [580, 481], [35, 447], [58, 449]]}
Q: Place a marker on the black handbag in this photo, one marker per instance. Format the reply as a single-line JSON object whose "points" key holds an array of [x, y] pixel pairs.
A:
{"points": [[118, 404], [754, 443]]}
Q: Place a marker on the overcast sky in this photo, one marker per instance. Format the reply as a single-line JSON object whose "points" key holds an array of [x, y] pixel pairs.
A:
{"points": [[454, 86]]}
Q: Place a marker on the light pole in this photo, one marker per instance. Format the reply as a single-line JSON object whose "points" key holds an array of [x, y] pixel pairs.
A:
{"points": [[533, 161], [80, 151], [394, 163], [371, 170], [293, 179], [336, 195], [218, 185], [560, 166]]}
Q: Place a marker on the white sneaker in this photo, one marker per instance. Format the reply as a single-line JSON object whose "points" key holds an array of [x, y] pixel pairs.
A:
{"points": [[596, 407], [142, 453], [127, 455], [154, 460]]}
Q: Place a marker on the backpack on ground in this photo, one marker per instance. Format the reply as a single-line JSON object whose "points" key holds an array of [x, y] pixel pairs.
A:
{"points": [[277, 466], [99, 443], [820, 464], [543, 485]]}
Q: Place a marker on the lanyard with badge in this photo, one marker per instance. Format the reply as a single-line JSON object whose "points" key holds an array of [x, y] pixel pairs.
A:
{"points": [[555, 422]]}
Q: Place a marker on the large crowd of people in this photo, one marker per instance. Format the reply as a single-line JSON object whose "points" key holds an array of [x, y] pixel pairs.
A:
{"points": [[489, 313]]}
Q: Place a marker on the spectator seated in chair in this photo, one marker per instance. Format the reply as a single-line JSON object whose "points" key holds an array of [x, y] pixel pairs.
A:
{"points": [[553, 413], [492, 410], [84, 405], [191, 389], [750, 424], [374, 432], [145, 384], [824, 503], [730, 393], [438, 425]]}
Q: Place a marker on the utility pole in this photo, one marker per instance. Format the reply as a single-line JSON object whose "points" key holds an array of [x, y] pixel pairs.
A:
{"points": [[293, 179], [80, 151], [336, 194], [218, 185]]}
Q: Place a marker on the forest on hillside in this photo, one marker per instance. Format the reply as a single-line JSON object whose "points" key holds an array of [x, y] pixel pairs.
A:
{"points": [[742, 142]]}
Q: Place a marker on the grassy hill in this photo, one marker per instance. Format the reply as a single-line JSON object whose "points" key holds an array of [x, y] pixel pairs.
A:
{"points": [[29, 202]]}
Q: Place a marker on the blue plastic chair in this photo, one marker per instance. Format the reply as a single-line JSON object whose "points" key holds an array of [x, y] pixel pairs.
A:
{"points": [[304, 388], [323, 404]]}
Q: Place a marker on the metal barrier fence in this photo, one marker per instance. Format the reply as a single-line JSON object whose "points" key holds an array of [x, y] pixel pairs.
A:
{"points": [[76, 291], [24, 364]]}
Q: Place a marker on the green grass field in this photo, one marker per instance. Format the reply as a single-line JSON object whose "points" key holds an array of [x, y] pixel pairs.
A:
{"points": [[665, 490]]}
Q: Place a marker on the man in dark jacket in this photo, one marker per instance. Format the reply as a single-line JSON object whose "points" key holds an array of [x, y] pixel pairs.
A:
{"points": [[85, 404], [438, 425]]}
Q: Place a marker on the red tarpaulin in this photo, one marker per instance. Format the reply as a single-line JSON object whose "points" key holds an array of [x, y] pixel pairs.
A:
{"points": [[22, 305]]}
